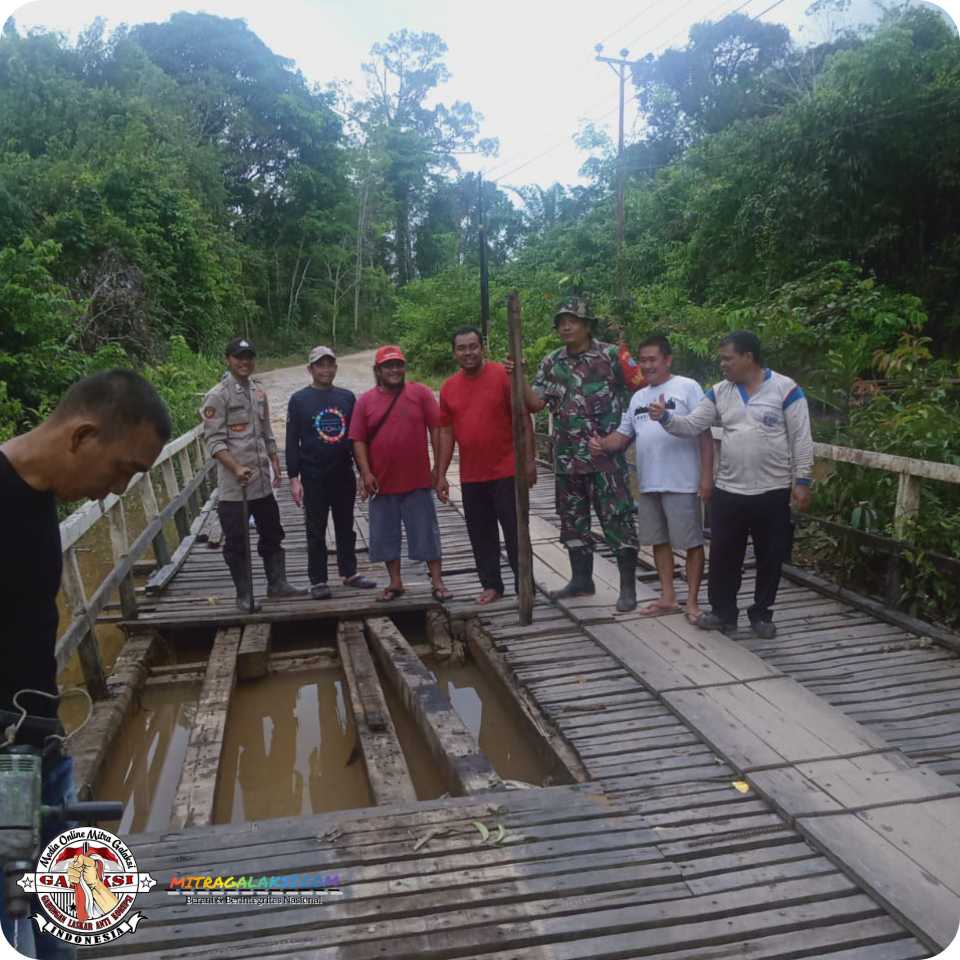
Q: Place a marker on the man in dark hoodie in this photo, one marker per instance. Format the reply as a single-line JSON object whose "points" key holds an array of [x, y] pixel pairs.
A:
{"points": [[320, 467]]}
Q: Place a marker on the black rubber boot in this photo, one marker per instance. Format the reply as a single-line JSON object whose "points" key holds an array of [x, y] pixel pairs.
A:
{"points": [[581, 576], [627, 562], [276, 569], [238, 573]]}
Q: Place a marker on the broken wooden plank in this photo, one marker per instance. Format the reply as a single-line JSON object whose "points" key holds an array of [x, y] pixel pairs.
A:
{"points": [[253, 660], [387, 772], [90, 746], [193, 806], [563, 762], [466, 769]]}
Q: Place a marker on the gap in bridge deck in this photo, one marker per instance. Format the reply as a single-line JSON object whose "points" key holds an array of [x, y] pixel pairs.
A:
{"points": [[290, 745]]}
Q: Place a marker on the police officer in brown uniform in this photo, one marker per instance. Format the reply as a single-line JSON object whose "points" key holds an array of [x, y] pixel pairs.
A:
{"points": [[236, 426]]}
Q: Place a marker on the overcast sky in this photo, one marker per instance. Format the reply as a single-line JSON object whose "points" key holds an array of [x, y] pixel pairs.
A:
{"points": [[526, 65]]}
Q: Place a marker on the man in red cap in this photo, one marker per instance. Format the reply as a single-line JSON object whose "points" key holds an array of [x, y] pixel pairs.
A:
{"points": [[389, 432]]}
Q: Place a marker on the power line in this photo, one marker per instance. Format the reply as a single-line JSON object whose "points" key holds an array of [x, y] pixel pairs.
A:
{"points": [[686, 30], [563, 140], [635, 17], [771, 7], [657, 25]]}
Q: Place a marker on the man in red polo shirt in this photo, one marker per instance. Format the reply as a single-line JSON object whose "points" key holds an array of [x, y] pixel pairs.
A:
{"points": [[389, 430], [476, 413]]}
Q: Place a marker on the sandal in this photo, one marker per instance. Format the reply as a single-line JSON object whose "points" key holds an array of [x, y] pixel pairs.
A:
{"points": [[391, 593], [441, 594]]}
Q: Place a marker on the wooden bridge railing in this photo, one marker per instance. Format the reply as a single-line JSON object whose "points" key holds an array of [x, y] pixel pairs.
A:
{"points": [[909, 470], [185, 495]]}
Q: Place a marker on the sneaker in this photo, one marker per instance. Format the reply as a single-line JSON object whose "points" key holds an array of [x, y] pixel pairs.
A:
{"points": [[764, 629], [710, 621], [320, 591], [359, 582]]}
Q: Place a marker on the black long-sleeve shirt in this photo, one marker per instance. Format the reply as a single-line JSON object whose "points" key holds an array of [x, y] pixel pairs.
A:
{"points": [[30, 568], [318, 424]]}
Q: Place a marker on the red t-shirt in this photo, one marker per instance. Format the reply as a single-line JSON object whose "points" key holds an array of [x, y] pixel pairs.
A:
{"points": [[478, 408], [398, 455]]}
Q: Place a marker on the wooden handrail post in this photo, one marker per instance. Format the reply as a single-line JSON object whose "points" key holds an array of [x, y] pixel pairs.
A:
{"points": [[173, 491], [151, 509], [120, 544], [520, 421], [88, 650], [908, 504]]}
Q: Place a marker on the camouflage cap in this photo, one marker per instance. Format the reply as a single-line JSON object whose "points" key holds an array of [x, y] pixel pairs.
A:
{"points": [[575, 307]]}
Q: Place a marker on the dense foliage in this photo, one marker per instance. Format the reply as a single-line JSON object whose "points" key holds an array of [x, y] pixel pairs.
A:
{"points": [[169, 184]]}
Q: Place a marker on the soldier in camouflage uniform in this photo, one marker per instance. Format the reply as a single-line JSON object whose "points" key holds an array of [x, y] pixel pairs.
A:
{"points": [[236, 427], [583, 385]]}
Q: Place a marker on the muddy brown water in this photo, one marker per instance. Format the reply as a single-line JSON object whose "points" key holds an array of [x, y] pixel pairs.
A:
{"points": [[289, 737], [288, 745]]}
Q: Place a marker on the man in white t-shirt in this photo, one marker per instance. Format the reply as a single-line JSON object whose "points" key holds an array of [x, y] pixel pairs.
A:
{"points": [[672, 474]]}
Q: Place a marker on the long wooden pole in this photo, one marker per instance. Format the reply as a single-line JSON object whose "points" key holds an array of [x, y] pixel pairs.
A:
{"points": [[520, 421], [484, 275]]}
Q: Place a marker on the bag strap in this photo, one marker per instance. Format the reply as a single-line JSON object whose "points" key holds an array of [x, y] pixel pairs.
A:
{"points": [[371, 434]]}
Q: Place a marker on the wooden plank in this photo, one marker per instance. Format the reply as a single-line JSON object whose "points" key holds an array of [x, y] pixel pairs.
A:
{"points": [[665, 655], [452, 745], [193, 805], [876, 780], [563, 763], [163, 576], [914, 894], [879, 610], [91, 745], [771, 723], [387, 772], [253, 658]]}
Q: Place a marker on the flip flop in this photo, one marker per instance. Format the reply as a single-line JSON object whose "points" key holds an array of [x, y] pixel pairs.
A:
{"points": [[693, 619], [653, 611], [441, 595], [391, 593]]}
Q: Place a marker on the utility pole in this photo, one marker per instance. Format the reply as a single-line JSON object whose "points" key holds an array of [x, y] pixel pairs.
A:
{"points": [[619, 67], [484, 277]]}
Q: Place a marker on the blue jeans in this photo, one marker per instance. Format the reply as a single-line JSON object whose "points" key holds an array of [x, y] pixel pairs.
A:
{"points": [[58, 787]]}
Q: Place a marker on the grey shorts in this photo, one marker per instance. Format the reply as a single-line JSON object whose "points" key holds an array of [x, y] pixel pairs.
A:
{"points": [[672, 518], [415, 510]]}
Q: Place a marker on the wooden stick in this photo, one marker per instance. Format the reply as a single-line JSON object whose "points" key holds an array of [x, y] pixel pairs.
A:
{"points": [[524, 550]]}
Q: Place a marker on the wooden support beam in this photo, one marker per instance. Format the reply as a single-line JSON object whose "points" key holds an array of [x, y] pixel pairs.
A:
{"points": [[253, 661], [454, 748], [387, 771], [193, 806], [563, 762], [93, 743], [438, 633]]}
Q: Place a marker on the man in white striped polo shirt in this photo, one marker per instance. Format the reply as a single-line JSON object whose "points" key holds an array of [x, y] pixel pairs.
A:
{"points": [[766, 459]]}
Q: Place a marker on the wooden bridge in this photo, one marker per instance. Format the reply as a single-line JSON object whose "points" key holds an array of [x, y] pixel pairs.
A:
{"points": [[713, 796]]}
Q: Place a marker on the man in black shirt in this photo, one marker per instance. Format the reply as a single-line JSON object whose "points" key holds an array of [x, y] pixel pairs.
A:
{"points": [[320, 467], [106, 428]]}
